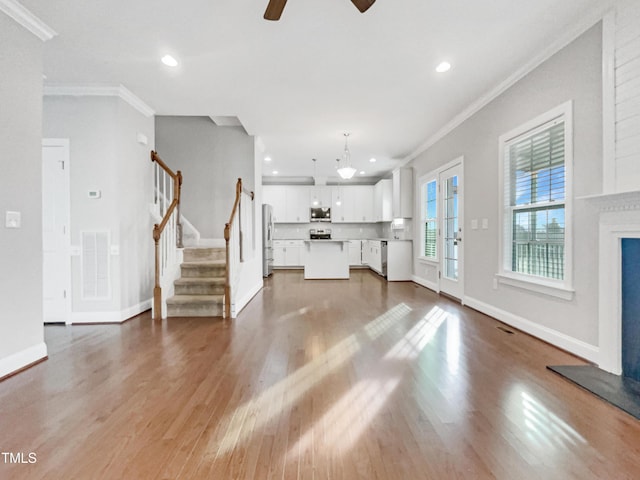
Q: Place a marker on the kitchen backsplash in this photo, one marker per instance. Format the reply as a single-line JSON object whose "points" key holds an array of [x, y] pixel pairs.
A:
{"points": [[295, 231], [338, 230]]}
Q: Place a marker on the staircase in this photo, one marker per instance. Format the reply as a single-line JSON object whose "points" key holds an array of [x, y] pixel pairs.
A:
{"points": [[199, 292]]}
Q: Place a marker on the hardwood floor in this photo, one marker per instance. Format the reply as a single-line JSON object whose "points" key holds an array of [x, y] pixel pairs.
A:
{"points": [[314, 380]]}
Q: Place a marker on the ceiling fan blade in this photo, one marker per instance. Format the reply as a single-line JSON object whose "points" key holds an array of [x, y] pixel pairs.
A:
{"points": [[363, 5], [274, 9]]}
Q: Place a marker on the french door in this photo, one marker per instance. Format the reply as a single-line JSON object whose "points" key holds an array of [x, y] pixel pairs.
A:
{"points": [[452, 252]]}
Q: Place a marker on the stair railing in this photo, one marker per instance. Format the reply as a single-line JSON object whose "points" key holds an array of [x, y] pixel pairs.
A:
{"points": [[167, 235], [234, 237]]}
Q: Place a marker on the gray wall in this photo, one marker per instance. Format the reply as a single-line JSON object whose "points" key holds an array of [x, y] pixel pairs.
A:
{"points": [[211, 159], [104, 155], [574, 73], [21, 327]]}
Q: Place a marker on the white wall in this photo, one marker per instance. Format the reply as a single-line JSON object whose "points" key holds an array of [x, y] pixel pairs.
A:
{"points": [[104, 155], [211, 159], [574, 73], [21, 327], [135, 190], [251, 280]]}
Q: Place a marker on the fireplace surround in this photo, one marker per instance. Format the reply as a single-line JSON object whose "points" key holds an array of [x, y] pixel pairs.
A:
{"points": [[619, 217]]}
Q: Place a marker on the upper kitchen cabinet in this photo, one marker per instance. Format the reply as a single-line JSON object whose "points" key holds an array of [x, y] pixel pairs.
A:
{"points": [[297, 210], [352, 204], [382, 200], [290, 202], [320, 196], [275, 195], [403, 193]]}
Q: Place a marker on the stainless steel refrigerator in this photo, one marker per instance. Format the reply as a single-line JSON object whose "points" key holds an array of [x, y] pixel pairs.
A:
{"points": [[267, 240]]}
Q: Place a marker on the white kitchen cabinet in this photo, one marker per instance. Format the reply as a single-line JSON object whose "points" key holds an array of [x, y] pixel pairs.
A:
{"points": [[399, 260], [279, 250], [288, 253], [382, 200], [290, 202], [402, 204], [356, 204], [297, 206], [320, 196], [275, 195], [355, 253]]}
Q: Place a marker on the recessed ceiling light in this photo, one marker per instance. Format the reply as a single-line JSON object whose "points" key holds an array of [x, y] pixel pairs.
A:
{"points": [[169, 61], [267, 159], [275, 172], [443, 67], [361, 172], [372, 160]]}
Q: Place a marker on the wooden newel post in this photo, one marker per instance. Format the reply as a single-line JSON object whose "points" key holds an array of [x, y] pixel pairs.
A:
{"points": [[157, 291], [227, 284], [178, 189]]}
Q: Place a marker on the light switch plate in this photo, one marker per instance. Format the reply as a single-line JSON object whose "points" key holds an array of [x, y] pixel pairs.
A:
{"points": [[114, 249], [485, 223], [474, 224], [13, 220]]}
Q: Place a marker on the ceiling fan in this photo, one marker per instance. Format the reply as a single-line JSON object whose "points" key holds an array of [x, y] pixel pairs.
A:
{"points": [[275, 7]]}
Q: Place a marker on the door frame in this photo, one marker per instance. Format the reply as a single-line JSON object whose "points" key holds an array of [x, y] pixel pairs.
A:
{"points": [[456, 163], [64, 143]]}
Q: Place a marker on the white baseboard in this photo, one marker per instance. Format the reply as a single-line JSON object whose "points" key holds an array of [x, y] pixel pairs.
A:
{"points": [[110, 317], [21, 359], [425, 283], [560, 340], [240, 304]]}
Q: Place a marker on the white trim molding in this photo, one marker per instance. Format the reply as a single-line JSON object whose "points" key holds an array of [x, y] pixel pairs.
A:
{"points": [[581, 26], [22, 359], [239, 305], [28, 20], [619, 217], [559, 339], [425, 283], [110, 317], [100, 90]]}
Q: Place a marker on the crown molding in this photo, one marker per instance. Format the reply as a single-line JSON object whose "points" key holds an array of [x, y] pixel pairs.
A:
{"points": [[119, 91], [27, 19], [581, 26]]}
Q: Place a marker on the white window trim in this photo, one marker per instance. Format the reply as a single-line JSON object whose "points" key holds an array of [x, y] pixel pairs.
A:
{"points": [[556, 288], [423, 181]]}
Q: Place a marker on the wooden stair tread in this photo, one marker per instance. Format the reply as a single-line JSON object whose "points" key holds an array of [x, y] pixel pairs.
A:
{"points": [[194, 299], [214, 263], [199, 280]]}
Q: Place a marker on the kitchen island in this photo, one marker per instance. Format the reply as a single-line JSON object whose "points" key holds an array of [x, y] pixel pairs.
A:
{"points": [[326, 259]]}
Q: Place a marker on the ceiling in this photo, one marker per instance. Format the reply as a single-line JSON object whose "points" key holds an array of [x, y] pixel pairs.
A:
{"points": [[322, 70]]}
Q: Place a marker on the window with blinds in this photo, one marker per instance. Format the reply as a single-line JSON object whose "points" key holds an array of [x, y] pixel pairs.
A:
{"points": [[430, 225], [535, 197]]}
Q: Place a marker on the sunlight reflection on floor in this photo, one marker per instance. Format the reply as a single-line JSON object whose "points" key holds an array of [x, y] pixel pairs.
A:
{"points": [[419, 336], [343, 424], [544, 429], [286, 392]]}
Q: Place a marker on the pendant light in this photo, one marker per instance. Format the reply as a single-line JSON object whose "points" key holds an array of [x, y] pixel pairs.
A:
{"points": [[338, 201], [346, 171], [315, 201]]}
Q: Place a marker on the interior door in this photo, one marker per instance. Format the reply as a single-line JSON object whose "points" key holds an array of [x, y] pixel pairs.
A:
{"points": [[56, 266], [452, 257]]}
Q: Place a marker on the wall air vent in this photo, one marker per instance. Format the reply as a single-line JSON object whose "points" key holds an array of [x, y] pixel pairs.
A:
{"points": [[96, 278]]}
